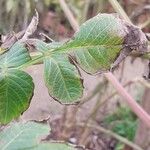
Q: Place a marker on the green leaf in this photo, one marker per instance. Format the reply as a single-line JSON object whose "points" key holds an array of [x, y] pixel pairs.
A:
{"points": [[16, 87], [16, 56], [62, 79], [19, 136], [94, 60], [16, 90], [98, 42]]}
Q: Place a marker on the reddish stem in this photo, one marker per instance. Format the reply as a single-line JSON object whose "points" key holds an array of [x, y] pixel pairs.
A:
{"points": [[135, 107]]}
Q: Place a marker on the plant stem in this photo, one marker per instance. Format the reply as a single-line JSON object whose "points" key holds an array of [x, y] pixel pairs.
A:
{"points": [[135, 107], [32, 62], [85, 10], [110, 133], [69, 15], [119, 10]]}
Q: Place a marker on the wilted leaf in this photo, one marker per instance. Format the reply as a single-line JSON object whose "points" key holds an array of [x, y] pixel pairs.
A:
{"points": [[9, 40], [62, 79], [100, 41]]}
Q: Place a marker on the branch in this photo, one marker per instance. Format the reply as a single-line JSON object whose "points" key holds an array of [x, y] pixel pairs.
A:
{"points": [[69, 15], [136, 108], [31, 28]]}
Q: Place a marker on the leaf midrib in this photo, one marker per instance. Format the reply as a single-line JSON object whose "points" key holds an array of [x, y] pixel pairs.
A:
{"points": [[66, 47], [55, 62]]}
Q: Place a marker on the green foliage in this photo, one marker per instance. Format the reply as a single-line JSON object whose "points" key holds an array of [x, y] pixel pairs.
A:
{"points": [[62, 79], [28, 136], [122, 122], [97, 43], [16, 56], [96, 46], [16, 86], [15, 93]]}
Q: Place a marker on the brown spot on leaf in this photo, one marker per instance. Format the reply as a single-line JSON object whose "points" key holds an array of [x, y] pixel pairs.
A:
{"points": [[134, 39]]}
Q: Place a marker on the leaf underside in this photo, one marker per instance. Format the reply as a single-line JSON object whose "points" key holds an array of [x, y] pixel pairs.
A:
{"points": [[20, 136]]}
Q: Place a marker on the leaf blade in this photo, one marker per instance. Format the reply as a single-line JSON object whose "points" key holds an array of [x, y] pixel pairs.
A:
{"points": [[62, 79], [22, 135], [16, 91], [29, 136]]}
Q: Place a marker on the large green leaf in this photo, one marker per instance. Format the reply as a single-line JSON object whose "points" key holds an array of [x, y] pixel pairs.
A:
{"points": [[98, 42], [19, 136], [28, 136], [62, 79], [103, 30], [16, 89]]}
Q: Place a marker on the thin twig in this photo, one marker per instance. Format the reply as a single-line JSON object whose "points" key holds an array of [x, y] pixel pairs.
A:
{"points": [[31, 28], [85, 10], [119, 10], [69, 15], [143, 25], [46, 36]]}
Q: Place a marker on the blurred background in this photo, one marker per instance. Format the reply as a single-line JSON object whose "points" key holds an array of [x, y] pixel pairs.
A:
{"points": [[102, 105]]}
